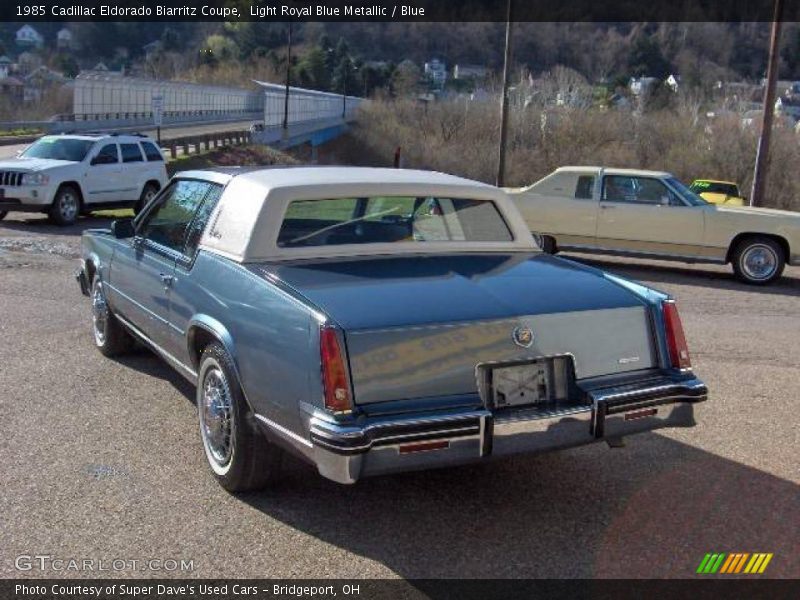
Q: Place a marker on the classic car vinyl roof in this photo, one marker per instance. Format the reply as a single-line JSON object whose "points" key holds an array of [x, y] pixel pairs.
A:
{"points": [[245, 224]]}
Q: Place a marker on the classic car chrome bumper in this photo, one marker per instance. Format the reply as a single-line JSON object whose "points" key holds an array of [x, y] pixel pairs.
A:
{"points": [[345, 453]]}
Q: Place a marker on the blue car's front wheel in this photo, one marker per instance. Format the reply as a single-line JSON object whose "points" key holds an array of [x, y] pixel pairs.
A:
{"points": [[239, 456]]}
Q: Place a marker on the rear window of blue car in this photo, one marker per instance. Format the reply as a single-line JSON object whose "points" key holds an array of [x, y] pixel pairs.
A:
{"points": [[388, 219]]}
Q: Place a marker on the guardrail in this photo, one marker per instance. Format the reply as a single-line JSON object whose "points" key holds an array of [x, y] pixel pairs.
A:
{"points": [[209, 140]]}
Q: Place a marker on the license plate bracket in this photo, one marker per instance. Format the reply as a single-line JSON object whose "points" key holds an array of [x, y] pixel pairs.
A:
{"points": [[548, 380]]}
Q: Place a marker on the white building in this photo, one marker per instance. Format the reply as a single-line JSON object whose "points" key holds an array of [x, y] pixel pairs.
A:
{"points": [[28, 36], [470, 72], [436, 70], [64, 39]]}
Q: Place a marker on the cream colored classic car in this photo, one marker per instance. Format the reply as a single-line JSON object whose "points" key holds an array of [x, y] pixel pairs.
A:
{"points": [[652, 214]]}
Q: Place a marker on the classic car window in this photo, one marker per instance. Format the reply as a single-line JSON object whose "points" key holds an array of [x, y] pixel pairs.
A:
{"points": [[584, 187], [107, 156], [377, 220], [688, 195], [131, 153], [643, 190], [167, 222], [200, 220]]}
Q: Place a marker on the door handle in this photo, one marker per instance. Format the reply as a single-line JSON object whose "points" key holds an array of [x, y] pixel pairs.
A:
{"points": [[166, 279], [607, 206]]}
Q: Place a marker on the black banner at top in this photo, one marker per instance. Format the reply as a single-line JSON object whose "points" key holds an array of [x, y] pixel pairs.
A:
{"points": [[397, 10]]}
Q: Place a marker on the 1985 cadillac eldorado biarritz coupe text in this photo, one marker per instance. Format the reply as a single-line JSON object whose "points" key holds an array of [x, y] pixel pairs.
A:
{"points": [[372, 321]]}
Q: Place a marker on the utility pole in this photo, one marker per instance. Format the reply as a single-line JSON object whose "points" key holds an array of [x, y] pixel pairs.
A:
{"points": [[762, 154], [288, 82], [501, 158]]}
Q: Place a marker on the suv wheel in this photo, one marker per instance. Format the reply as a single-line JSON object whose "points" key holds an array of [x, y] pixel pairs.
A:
{"points": [[66, 206], [758, 260], [148, 193], [240, 457]]}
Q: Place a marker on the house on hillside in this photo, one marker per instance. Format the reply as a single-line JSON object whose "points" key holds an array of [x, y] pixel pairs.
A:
{"points": [[27, 36], [470, 72], [64, 39], [788, 106], [5, 66], [11, 88], [39, 82], [673, 82], [436, 71]]}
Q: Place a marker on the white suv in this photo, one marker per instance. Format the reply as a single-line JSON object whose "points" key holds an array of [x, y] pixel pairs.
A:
{"points": [[66, 175]]}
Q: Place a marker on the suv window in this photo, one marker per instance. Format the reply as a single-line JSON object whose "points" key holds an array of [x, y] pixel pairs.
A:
{"points": [[167, 223], [107, 156], [131, 153], [152, 153], [585, 187]]}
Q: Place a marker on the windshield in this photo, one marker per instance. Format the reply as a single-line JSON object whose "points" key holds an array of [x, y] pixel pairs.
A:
{"points": [[71, 149], [686, 193], [713, 187], [377, 220]]}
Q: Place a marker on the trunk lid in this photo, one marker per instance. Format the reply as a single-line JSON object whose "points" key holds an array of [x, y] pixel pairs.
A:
{"points": [[418, 326]]}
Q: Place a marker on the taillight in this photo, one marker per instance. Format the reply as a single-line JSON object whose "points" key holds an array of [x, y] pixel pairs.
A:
{"points": [[676, 340], [334, 375]]}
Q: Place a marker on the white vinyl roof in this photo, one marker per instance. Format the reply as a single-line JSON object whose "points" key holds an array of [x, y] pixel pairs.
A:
{"points": [[246, 222]]}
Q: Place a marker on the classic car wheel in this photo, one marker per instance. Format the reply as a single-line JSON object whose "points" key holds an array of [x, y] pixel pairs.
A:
{"points": [[758, 260], [239, 456], [148, 193], [66, 206], [110, 336]]}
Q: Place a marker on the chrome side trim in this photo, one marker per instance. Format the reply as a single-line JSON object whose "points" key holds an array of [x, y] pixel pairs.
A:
{"points": [[284, 431], [156, 348], [642, 254]]}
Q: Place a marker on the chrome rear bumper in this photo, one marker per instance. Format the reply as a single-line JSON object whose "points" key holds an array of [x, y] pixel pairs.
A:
{"points": [[345, 453]]}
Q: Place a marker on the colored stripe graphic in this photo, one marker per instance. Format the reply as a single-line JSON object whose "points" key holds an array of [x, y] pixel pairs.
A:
{"points": [[765, 563], [734, 563], [727, 564], [741, 562], [703, 563]]}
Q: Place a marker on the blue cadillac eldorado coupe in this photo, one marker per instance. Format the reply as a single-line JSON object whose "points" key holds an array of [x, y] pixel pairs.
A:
{"points": [[373, 321]]}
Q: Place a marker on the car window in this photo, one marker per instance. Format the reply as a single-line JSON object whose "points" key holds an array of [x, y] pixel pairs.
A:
{"points": [[167, 223], [131, 153], [59, 149], [640, 190], [201, 218], [108, 155], [584, 187], [152, 153], [376, 220]]}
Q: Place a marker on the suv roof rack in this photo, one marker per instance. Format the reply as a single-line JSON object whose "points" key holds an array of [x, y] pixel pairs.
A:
{"points": [[109, 133]]}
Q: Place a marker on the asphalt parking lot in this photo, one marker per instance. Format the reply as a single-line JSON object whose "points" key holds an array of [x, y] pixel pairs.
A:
{"points": [[103, 459]]}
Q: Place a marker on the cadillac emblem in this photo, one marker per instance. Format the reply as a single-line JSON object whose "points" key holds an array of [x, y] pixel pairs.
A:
{"points": [[522, 336]]}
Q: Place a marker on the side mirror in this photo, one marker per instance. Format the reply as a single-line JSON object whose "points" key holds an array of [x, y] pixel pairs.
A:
{"points": [[123, 228]]}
